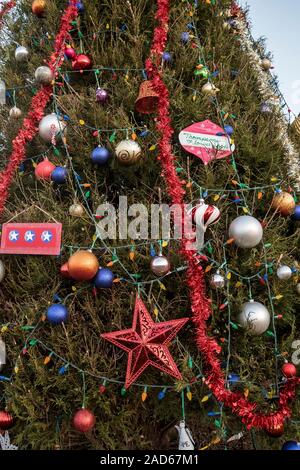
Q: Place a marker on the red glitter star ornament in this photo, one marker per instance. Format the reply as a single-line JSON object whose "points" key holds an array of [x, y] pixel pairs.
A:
{"points": [[146, 343]]}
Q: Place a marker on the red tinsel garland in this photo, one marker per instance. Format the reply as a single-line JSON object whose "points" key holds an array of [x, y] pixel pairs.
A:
{"points": [[5, 9], [195, 275], [37, 107]]}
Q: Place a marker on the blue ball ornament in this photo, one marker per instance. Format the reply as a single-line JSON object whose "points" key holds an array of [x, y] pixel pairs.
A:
{"points": [[167, 57], [103, 279], [185, 37], [291, 445], [100, 155], [80, 7], [59, 175], [296, 214], [57, 314], [234, 378], [229, 130]]}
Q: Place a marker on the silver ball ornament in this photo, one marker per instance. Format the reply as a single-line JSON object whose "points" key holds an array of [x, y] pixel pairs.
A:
{"points": [[51, 126], [2, 271], [128, 152], [15, 112], [246, 231], [76, 210], [21, 54], [284, 273], [254, 317], [298, 289], [217, 281], [44, 75], [160, 265]]}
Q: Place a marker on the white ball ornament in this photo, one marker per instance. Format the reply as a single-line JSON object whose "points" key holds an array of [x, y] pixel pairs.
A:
{"points": [[246, 231], [2, 271], [128, 152], [254, 317], [209, 89], [284, 273], [217, 281], [51, 127], [44, 75], [15, 112], [21, 54]]}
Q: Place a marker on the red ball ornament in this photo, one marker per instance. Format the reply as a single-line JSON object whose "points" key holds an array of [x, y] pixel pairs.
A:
{"points": [[70, 53], [275, 431], [84, 420], [289, 370], [81, 62], [44, 169], [6, 420]]}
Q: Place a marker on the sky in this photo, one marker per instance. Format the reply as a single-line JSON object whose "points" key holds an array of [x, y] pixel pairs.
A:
{"points": [[278, 22]]}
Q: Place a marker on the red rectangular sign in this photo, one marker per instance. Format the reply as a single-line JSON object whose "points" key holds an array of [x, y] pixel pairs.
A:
{"points": [[31, 239]]}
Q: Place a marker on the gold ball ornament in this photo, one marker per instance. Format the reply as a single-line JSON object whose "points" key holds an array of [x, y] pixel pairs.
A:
{"points": [[15, 113], [296, 126], [209, 89], [76, 210], [266, 64], [298, 289], [284, 203], [128, 152], [83, 266], [160, 265], [39, 7]]}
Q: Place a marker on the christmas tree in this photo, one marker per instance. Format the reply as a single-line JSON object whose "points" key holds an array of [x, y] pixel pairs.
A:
{"points": [[116, 333]]}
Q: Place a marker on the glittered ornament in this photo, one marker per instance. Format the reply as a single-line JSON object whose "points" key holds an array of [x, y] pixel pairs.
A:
{"points": [[265, 108], [295, 126], [276, 430], [104, 279], [39, 7], [57, 314], [44, 75], [100, 155], [147, 101], [70, 53], [102, 96], [266, 64], [160, 265], [51, 127], [76, 210], [284, 203], [21, 54], [217, 281], [44, 169], [291, 445], [83, 266], [2, 271], [246, 231], [289, 370], [296, 214], [298, 289], [59, 175], [15, 112], [284, 273], [6, 420], [84, 420], [81, 62], [128, 152], [254, 317], [209, 89]]}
